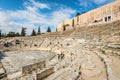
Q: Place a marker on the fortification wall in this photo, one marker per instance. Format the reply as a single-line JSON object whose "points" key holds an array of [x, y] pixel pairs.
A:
{"points": [[104, 14]]}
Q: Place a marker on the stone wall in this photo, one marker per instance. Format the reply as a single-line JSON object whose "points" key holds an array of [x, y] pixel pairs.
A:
{"points": [[45, 73], [29, 68], [104, 14], [73, 44]]}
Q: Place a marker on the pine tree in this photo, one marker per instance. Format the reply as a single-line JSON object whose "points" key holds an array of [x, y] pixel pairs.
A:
{"points": [[17, 34], [64, 28], [3, 35], [33, 33], [39, 32], [77, 14], [0, 34], [73, 23], [48, 30], [11, 34], [23, 31], [56, 30]]}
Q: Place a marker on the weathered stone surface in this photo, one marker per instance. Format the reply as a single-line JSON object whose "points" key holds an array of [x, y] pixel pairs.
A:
{"points": [[93, 17], [86, 53], [44, 73]]}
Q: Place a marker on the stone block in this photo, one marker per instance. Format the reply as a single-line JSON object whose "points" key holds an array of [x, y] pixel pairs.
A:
{"points": [[45, 73]]}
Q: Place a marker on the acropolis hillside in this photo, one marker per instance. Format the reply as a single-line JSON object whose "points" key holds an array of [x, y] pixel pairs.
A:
{"points": [[86, 47]]}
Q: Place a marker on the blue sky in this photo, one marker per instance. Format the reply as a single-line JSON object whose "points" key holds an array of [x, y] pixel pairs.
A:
{"points": [[15, 14]]}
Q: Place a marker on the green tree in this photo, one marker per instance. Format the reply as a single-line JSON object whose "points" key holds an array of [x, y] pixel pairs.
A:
{"points": [[73, 23], [3, 35], [0, 34], [39, 31], [33, 33], [64, 27], [77, 14], [23, 31], [11, 34], [48, 29], [17, 34], [56, 30]]}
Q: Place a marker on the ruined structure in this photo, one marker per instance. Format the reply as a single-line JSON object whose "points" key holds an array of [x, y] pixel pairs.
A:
{"points": [[84, 53], [104, 14]]}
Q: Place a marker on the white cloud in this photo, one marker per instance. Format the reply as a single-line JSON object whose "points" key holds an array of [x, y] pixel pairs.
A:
{"points": [[85, 4], [39, 5], [32, 5], [3, 17], [61, 15], [32, 16], [89, 3], [99, 1]]}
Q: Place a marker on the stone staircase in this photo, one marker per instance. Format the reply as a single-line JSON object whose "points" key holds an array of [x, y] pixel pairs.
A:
{"points": [[81, 47]]}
